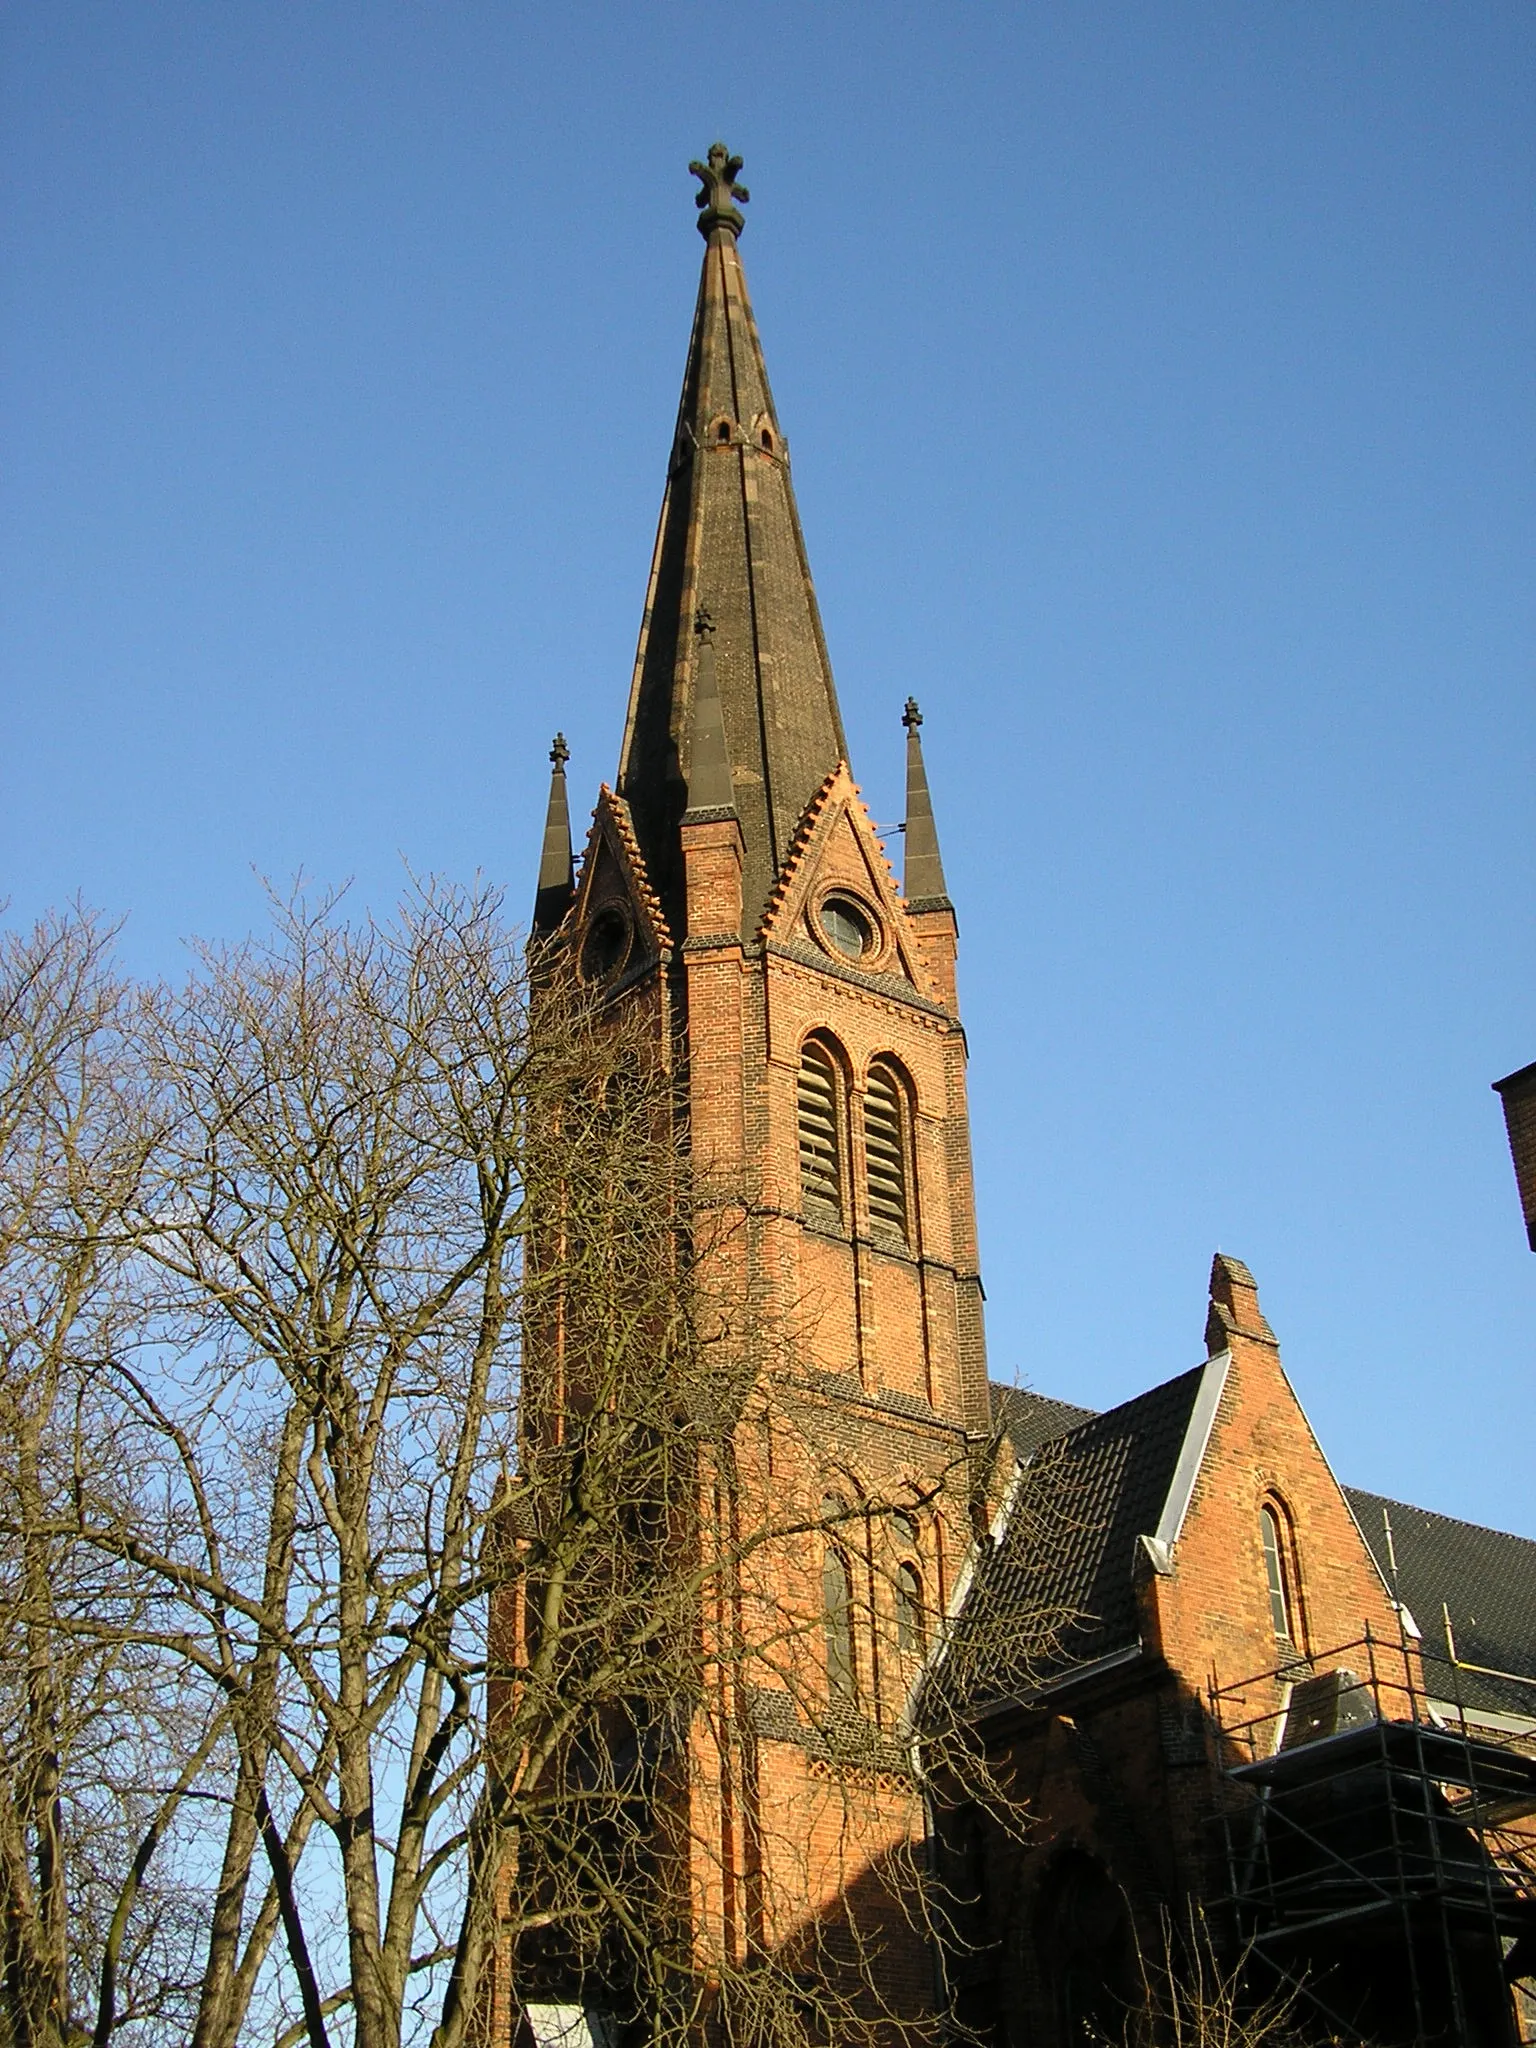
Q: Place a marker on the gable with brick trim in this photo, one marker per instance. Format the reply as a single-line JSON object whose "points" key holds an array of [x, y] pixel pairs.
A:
{"points": [[836, 848], [613, 878]]}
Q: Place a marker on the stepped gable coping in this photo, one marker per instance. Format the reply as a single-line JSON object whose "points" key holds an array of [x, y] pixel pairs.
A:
{"points": [[618, 810], [805, 831], [791, 868]]}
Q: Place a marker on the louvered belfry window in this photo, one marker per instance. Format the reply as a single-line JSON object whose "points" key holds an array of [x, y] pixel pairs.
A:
{"points": [[885, 1150], [821, 1176]]}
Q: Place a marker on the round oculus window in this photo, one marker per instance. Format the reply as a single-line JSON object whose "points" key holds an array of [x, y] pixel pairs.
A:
{"points": [[606, 946], [849, 927]]}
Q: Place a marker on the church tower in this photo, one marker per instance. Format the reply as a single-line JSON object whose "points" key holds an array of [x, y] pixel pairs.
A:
{"points": [[734, 886]]}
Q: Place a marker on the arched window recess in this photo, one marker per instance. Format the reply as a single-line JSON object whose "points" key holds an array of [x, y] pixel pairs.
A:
{"points": [[1279, 1574], [837, 1610], [911, 1617]]}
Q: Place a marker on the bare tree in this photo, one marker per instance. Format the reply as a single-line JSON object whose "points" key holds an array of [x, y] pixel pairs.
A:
{"points": [[85, 1731], [1192, 1996], [415, 1530]]}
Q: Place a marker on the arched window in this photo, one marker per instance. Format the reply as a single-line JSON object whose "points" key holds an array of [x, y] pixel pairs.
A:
{"points": [[909, 1610], [820, 1106], [1272, 1537], [837, 1621], [885, 1148]]}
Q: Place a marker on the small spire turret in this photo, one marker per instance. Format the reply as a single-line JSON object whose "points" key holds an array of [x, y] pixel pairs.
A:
{"points": [[923, 881], [557, 866]]}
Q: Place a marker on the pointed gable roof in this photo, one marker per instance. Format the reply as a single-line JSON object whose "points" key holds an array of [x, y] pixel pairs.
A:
{"points": [[729, 542], [1114, 1478], [836, 843], [614, 868]]}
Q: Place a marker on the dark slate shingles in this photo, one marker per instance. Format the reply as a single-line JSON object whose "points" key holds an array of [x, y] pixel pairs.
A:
{"points": [[1485, 1577], [1033, 1419], [1099, 1486]]}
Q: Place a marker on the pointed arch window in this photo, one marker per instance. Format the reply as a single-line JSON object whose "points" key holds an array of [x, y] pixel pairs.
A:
{"points": [[837, 1622], [819, 1102], [910, 1629], [885, 1148], [1272, 1537]]}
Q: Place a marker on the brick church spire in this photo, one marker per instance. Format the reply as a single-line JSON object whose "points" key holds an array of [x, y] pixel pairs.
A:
{"points": [[729, 544], [736, 904]]}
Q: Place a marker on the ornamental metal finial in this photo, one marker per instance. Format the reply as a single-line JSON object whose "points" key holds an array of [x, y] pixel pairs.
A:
{"points": [[717, 174], [911, 718], [559, 753]]}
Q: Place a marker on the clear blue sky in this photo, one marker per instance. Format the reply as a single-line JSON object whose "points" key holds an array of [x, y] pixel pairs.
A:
{"points": [[1158, 378]]}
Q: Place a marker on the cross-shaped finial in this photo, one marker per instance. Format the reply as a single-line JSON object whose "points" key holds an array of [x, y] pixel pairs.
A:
{"points": [[911, 718], [559, 753], [717, 174], [703, 623]]}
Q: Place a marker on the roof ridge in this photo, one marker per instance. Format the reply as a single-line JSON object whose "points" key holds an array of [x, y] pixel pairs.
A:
{"points": [[1146, 1394], [1438, 1514]]}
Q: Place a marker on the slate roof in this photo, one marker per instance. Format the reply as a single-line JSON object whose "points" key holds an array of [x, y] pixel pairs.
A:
{"points": [[1111, 1473], [1033, 1419], [1101, 1486], [1485, 1577]]}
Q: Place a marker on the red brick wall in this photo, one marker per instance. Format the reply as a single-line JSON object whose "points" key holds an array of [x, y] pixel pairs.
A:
{"points": [[878, 1339], [1124, 1770]]}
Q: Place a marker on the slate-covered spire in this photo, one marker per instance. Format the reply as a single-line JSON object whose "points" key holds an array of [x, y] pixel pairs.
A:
{"points": [[557, 869], [710, 790], [729, 542], [923, 880]]}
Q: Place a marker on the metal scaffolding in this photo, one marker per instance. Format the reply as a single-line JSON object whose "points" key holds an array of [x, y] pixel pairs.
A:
{"points": [[1379, 1848]]}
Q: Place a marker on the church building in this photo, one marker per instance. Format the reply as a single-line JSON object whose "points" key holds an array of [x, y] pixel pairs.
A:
{"points": [[1305, 1713]]}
